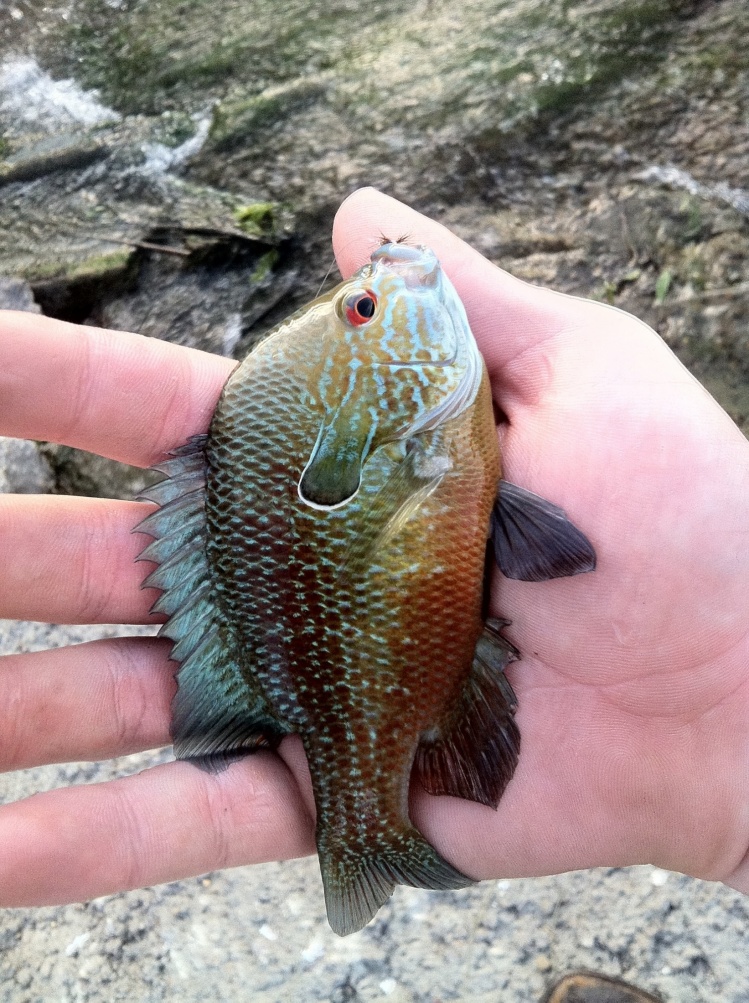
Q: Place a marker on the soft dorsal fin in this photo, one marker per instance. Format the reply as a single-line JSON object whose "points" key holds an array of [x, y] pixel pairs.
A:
{"points": [[473, 751], [534, 540], [217, 713]]}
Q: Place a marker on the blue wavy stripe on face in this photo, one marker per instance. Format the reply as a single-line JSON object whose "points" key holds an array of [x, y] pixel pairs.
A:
{"points": [[350, 388], [326, 378], [372, 431], [414, 316], [382, 386], [387, 321], [467, 359], [387, 325], [429, 321]]}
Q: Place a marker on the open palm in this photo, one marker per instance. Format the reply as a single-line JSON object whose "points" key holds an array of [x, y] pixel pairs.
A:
{"points": [[632, 686]]}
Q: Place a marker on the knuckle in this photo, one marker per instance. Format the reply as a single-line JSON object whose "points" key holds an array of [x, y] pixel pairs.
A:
{"points": [[218, 816]]}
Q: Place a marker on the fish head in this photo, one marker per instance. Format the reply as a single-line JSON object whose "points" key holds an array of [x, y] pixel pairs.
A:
{"points": [[398, 359]]}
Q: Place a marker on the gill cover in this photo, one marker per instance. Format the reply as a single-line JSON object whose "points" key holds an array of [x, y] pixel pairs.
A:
{"points": [[402, 366]]}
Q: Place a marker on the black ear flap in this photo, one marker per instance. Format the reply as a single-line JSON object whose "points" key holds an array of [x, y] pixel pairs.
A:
{"points": [[534, 540], [333, 473], [330, 480]]}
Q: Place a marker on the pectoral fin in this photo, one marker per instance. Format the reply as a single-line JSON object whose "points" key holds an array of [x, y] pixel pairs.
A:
{"points": [[473, 751], [414, 477], [534, 540]]}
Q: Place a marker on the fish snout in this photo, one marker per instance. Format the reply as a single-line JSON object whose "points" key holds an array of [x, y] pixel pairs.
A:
{"points": [[415, 264]]}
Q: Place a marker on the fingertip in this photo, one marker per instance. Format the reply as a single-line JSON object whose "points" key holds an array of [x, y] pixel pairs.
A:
{"points": [[352, 232], [356, 197], [124, 396], [368, 215], [506, 314]]}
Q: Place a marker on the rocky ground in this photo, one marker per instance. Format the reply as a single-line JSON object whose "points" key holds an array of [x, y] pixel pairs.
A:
{"points": [[172, 167], [260, 934]]}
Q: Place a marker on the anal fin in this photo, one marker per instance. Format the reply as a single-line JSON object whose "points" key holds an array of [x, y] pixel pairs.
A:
{"points": [[472, 753]]}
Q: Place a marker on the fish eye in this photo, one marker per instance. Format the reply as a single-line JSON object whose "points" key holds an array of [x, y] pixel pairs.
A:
{"points": [[360, 307]]}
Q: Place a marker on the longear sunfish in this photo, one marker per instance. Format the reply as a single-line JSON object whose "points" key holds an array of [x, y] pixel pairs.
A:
{"points": [[322, 554]]}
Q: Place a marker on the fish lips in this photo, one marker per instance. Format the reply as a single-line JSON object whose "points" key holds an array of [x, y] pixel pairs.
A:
{"points": [[417, 266]]}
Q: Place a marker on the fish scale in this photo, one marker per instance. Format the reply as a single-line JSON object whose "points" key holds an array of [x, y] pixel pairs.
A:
{"points": [[367, 724], [323, 558]]}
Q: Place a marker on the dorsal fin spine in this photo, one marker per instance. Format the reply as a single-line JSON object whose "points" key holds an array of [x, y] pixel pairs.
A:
{"points": [[217, 712]]}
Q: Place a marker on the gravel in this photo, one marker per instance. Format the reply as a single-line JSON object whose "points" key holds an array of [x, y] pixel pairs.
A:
{"points": [[259, 933]]}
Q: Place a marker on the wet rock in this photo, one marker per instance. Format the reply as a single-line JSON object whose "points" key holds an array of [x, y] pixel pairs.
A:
{"points": [[76, 472], [98, 223], [79, 236], [15, 294], [90, 197], [23, 470], [49, 156]]}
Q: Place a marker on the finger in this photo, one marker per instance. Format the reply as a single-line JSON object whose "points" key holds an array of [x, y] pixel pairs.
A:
{"points": [[72, 560], [85, 702], [166, 823], [120, 395], [508, 317]]}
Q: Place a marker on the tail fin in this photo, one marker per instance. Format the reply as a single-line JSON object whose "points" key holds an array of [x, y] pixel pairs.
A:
{"points": [[357, 884]]}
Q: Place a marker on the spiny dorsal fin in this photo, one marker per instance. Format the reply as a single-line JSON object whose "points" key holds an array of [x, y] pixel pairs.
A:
{"points": [[472, 753], [534, 540], [217, 712]]}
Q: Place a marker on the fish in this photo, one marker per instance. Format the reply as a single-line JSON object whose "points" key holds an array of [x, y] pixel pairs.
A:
{"points": [[323, 556]]}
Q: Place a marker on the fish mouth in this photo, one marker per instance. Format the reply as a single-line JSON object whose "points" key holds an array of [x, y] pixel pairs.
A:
{"points": [[417, 265]]}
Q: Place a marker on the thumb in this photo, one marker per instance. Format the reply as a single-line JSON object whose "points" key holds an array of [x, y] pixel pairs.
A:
{"points": [[507, 316]]}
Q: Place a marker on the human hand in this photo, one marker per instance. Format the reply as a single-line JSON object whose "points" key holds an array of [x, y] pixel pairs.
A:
{"points": [[631, 687], [72, 560]]}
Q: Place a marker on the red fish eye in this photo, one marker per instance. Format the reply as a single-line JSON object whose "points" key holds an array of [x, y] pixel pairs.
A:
{"points": [[360, 308]]}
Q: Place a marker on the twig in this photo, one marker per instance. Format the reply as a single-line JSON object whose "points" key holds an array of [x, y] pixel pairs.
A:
{"points": [[146, 246]]}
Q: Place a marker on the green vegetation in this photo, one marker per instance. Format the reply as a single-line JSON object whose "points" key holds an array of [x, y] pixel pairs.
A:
{"points": [[509, 58], [662, 285], [258, 219], [97, 266], [265, 265]]}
